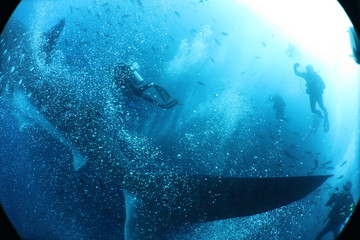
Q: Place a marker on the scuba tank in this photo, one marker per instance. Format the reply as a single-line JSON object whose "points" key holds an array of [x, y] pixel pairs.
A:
{"points": [[134, 68]]}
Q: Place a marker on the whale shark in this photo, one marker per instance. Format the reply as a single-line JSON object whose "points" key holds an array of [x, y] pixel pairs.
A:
{"points": [[155, 201]]}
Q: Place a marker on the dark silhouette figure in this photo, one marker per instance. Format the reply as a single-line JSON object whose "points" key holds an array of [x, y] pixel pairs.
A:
{"points": [[315, 88], [342, 204], [128, 81], [51, 38], [279, 106]]}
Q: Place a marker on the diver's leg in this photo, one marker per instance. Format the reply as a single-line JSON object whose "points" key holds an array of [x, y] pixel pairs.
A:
{"points": [[148, 98], [323, 109], [165, 96], [323, 232], [336, 230], [313, 105], [161, 92], [145, 87], [321, 105], [168, 105]]}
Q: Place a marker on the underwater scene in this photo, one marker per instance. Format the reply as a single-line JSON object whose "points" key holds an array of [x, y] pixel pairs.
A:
{"points": [[178, 119]]}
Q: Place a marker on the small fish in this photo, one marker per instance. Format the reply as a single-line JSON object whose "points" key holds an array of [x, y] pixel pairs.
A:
{"points": [[343, 163], [316, 164], [126, 15], [154, 49], [289, 155], [105, 4], [217, 42], [201, 83], [225, 33], [327, 163], [177, 13], [172, 38], [264, 44], [211, 59], [340, 177]]}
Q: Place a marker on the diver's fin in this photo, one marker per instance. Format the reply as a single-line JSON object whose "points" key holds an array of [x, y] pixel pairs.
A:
{"points": [[169, 105], [158, 203], [326, 124], [165, 96]]}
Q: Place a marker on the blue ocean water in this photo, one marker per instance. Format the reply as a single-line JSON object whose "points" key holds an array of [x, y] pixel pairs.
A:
{"points": [[220, 60]]}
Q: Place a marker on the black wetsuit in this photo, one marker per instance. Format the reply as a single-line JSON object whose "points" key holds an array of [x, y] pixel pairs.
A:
{"points": [[342, 204], [279, 106], [315, 88], [125, 80]]}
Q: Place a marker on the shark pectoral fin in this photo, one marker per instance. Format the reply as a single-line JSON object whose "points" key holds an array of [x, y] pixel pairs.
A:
{"points": [[22, 120], [170, 201], [27, 114]]}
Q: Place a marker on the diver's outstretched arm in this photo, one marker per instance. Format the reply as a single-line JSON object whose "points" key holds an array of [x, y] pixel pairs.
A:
{"points": [[297, 73]]}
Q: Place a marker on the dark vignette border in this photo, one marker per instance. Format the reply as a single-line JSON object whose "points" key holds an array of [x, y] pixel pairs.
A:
{"points": [[351, 230]]}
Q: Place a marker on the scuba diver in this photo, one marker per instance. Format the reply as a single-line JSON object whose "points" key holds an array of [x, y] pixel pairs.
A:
{"points": [[342, 204], [129, 82], [279, 106], [315, 88]]}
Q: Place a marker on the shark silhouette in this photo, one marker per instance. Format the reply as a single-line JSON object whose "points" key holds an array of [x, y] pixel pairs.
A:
{"points": [[155, 202], [51, 38]]}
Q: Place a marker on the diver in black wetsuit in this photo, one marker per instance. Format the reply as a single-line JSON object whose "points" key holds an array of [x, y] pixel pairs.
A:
{"points": [[342, 204], [128, 81], [279, 106], [315, 88]]}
